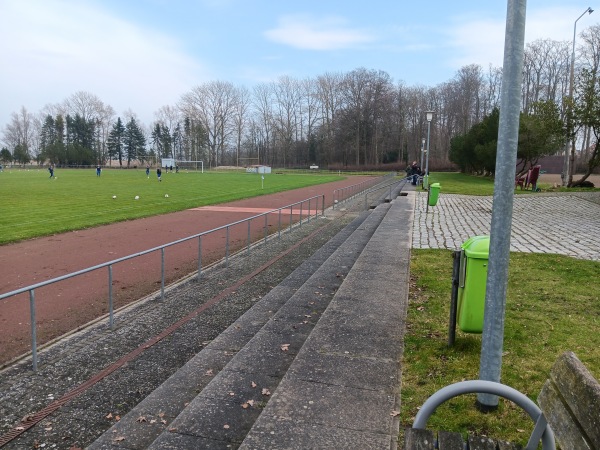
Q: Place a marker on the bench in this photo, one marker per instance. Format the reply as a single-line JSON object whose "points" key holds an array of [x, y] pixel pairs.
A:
{"points": [[569, 401]]}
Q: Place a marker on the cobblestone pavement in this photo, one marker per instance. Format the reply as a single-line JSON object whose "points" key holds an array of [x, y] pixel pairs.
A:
{"points": [[566, 224]]}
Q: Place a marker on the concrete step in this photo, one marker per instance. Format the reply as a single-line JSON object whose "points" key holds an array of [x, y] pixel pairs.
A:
{"points": [[342, 389], [301, 298]]}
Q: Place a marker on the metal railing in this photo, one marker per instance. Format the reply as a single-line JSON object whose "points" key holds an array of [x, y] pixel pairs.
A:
{"points": [[389, 187], [318, 201], [349, 192]]}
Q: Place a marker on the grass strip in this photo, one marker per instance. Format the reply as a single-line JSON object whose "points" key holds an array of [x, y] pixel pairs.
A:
{"points": [[553, 305]]}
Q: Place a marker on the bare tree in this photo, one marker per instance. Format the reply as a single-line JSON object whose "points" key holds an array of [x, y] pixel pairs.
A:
{"points": [[212, 104], [20, 132]]}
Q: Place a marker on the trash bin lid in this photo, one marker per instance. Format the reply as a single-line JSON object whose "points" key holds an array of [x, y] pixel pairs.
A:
{"points": [[477, 247], [438, 185]]}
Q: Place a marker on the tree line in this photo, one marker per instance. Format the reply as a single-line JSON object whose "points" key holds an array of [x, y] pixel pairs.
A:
{"points": [[362, 117]]}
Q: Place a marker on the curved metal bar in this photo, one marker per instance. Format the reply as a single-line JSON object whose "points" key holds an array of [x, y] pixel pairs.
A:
{"points": [[487, 387]]}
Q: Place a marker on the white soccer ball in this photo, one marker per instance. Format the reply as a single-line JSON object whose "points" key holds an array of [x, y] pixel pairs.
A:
{"points": [[335, 201], [166, 195], [114, 196], [137, 197]]}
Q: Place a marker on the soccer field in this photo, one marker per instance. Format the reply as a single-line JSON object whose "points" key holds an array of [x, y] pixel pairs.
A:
{"points": [[35, 205]]}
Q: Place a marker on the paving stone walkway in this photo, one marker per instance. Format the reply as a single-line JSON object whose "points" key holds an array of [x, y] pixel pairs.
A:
{"points": [[542, 223]]}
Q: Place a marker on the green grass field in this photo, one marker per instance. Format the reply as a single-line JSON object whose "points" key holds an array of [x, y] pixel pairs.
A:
{"points": [[34, 205]]}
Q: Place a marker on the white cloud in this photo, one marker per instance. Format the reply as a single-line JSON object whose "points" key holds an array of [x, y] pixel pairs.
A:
{"points": [[311, 33], [54, 48], [476, 40]]}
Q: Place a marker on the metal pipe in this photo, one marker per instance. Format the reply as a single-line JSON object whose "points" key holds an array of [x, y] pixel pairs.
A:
{"points": [[199, 257], [227, 247], [34, 356], [162, 273], [492, 340], [111, 319]]}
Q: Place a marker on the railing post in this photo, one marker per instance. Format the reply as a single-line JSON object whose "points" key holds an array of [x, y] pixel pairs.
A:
{"points": [[300, 214], [199, 257], [266, 227], [279, 225], [33, 331], [248, 248], [308, 215], [227, 246], [322, 205], [162, 273], [111, 319], [291, 209]]}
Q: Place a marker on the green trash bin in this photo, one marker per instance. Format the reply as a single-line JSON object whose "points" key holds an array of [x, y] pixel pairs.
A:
{"points": [[472, 281], [434, 193]]}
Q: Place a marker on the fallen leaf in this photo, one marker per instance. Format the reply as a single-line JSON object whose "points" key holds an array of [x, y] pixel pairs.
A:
{"points": [[245, 405], [172, 430], [231, 394], [48, 429], [226, 426], [161, 414], [394, 413], [265, 391], [208, 372], [117, 418], [421, 308], [152, 420], [163, 421], [285, 347], [520, 431], [119, 438], [253, 384], [19, 428], [141, 419], [250, 402], [109, 416]]}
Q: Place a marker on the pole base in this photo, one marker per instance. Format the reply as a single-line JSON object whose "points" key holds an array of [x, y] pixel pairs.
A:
{"points": [[485, 408]]}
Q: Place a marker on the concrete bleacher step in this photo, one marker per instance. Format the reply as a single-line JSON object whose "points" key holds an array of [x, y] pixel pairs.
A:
{"points": [[192, 408], [342, 389]]}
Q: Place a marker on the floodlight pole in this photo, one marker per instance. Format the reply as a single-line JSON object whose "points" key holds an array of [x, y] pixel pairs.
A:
{"points": [[508, 134]]}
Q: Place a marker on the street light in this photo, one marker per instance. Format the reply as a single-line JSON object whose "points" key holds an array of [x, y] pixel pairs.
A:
{"points": [[426, 176], [570, 159], [422, 152]]}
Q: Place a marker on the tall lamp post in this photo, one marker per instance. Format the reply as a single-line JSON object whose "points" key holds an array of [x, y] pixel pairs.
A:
{"points": [[570, 150], [422, 152], [426, 176]]}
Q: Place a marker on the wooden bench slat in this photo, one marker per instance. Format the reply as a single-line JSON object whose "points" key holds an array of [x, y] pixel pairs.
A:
{"points": [[481, 443], [415, 439], [566, 431], [450, 441], [581, 392]]}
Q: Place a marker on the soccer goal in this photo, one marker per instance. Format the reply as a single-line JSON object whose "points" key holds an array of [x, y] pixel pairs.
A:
{"points": [[191, 165]]}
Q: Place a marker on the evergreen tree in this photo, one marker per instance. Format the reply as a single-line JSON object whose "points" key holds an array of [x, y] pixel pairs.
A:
{"points": [[116, 141], [134, 142]]}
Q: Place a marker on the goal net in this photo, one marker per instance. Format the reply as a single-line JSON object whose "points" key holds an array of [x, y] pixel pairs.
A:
{"points": [[191, 165]]}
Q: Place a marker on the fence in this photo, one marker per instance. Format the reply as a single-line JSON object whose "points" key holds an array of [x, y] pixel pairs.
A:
{"points": [[304, 208], [349, 192]]}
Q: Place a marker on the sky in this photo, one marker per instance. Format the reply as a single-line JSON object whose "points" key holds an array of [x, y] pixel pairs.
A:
{"points": [[140, 55]]}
